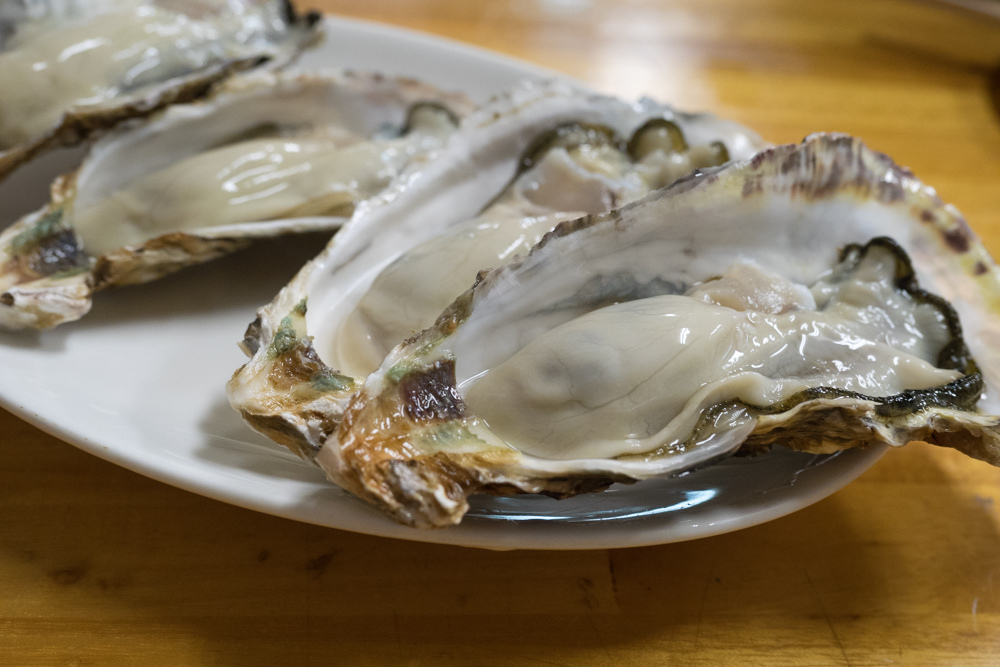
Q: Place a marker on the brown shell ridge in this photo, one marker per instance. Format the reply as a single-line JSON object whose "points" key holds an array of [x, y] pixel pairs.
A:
{"points": [[297, 403], [429, 490]]}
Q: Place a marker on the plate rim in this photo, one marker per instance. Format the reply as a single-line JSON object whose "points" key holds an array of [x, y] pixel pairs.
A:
{"points": [[481, 533]]}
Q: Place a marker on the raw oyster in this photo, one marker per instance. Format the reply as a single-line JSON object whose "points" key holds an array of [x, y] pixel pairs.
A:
{"points": [[73, 68], [574, 170], [767, 302], [540, 155], [267, 154]]}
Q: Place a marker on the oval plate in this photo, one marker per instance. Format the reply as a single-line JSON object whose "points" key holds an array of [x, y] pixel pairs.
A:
{"points": [[140, 380]]}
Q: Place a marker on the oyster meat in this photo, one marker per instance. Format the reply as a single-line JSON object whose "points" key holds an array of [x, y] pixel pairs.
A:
{"points": [[816, 296], [515, 169], [72, 68], [266, 154], [572, 171]]}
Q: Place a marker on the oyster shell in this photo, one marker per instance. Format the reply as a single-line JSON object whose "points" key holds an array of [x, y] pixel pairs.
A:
{"points": [[541, 154], [71, 69], [267, 154], [710, 317]]}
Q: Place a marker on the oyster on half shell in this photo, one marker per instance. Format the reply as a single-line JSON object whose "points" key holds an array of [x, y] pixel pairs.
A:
{"points": [[540, 155], [266, 154], [73, 68], [817, 297]]}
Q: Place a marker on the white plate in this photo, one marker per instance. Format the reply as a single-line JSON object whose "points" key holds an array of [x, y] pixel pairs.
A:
{"points": [[139, 381]]}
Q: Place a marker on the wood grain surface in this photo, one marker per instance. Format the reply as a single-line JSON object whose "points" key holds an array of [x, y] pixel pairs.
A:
{"points": [[100, 566]]}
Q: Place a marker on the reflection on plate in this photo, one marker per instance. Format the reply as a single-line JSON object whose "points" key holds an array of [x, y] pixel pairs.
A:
{"points": [[140, 380]]}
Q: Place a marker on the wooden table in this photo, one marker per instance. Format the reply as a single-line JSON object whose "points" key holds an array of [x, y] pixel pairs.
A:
{"points": [[99, 566]]}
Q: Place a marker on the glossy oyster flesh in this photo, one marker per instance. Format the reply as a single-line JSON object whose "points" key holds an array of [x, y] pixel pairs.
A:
{"points": [[267, 154], [816, 296], [71, 68], [516, 168]]}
